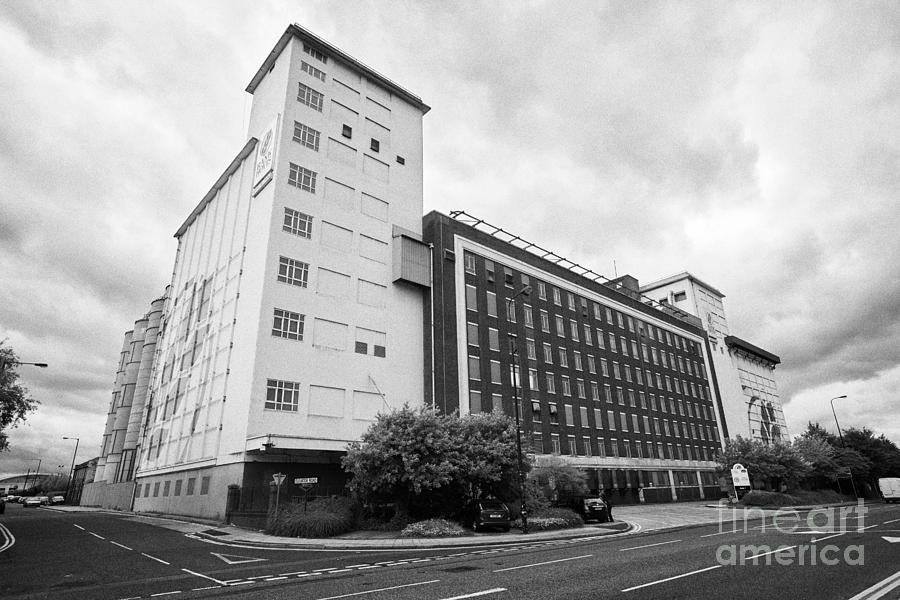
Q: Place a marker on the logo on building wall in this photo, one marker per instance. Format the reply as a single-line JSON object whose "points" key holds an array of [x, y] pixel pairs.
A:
{"points": [[265, 157]]}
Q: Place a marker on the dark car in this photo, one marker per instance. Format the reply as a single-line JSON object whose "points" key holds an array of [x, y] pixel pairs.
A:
{"points": [[488, 513], [2, 505], [590, 508]]}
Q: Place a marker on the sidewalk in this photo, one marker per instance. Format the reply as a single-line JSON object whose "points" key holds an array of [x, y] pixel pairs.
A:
{"points": [[374, 540]]}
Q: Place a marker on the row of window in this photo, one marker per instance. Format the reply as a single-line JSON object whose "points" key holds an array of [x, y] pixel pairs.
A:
{"points": [[616, 448], [600, 312], [176, 490], [575, 332]]}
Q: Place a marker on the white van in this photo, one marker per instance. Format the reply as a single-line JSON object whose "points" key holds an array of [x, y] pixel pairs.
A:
{"points": [[890, 488]]}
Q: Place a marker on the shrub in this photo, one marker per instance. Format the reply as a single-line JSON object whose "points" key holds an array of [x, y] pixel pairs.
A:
{"points": [[433, 528], [552, 518], [322, 518], [762, 498]]}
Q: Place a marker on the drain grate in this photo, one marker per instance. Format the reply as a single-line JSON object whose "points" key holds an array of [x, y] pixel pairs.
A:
{"points": [[215, 532]]}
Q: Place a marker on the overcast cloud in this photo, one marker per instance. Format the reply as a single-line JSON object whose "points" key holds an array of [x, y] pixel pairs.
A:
{"points": [[752, 144]]}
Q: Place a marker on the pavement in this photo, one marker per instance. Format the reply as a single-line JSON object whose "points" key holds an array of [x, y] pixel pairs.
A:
{"points": [[630, 519]]}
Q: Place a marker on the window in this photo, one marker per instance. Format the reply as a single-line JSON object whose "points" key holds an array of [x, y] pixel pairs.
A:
{"points": [[297, 223], [570, 440], [293, 271], [469, 259], [374, 145], [570, 414], [529, 318], [493, 339], [583, 413], [566, 386], [600, 340], [474, 401], [601, 447], [612, 341], [598, 420], [204, 486], [178, 487], [571, 299], [548, 353], [607, 393], [609, 317], [679, 296], [621, 320], [508, 277], [542, 290], [302, 178], [511, 311], [401, 160], [578, 360], [595, 391], [620, 396], [491, 304], [166, 487], [557, 297], [489, 270], [586, 445], [533, 380], [551, 383], [287, 324], [495, 371], [563, 358], [587, 335], [579, 384], [614, 447], [560, 326], [545, 322], [347, 132], [310, 97], [616, 372], [316, 54], [573, 327], [554, 443], [282, 395], [624, 345], [604, 367], [611, 420], [592, 364], [191, 482], [474, 368], [623, 421], [471, 298], [634, 424], [306, 136], [530, 350]]}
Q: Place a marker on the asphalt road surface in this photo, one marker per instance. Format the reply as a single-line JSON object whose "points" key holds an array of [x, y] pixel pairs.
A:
{"points": [[45, 554]]}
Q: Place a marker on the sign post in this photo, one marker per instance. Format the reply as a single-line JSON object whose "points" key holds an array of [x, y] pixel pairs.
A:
{"points": [[277, 479], [307, 484], [740, 479]]}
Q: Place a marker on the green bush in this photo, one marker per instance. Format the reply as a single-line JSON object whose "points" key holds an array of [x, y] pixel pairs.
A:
{"points": [[433, 528], [322, 518], [801, 498], [552, 518]]}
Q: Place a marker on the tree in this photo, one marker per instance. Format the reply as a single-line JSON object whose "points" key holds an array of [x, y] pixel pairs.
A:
{"points": [[882, 454], [15, 402], [771, 466], [431, 464]]}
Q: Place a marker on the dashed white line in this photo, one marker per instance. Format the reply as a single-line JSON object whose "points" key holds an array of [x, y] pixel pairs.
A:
{"points": [[396, 587], [156, 559], [369, 567], [355, 566], [549, 562], [165, 593], [209, 587], [275, 578], [720, 533], [294, 573], [476, 594], [241, 583], [891, 521], [643, 585], [82, 528], [341, 571], [120, 545], [96, 536], [879, 589], [648, 545]]}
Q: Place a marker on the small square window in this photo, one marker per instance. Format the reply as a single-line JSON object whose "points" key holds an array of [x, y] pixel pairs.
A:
{"points": [[347, 132], [380, 351], [401, 160], [362, 348], [375, 145]]}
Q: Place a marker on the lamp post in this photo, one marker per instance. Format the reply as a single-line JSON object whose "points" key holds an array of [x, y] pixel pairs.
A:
{"points": [[514, 352], [4, 363], [36, 472], [841, 435], [72, 471]]}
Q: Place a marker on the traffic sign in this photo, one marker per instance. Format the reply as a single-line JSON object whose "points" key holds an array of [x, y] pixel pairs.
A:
{"points": [[278, 478], [739, 476], [306, 480]]}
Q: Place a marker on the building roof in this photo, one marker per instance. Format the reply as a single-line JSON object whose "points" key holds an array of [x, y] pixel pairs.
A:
{"points": [[295, 30], [673, 278], [736, 342], [218, 185]]}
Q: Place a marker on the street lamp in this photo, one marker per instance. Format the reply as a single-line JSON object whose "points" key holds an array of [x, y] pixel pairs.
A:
{"points": [[4, 363], [72, 472], [28, 474], [841, 435], [514, 352]]}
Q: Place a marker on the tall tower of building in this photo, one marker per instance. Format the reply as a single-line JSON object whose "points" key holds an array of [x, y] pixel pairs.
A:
{"points": [[296, 302], [745, 373]]}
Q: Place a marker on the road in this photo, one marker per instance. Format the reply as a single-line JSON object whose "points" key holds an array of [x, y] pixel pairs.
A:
{"points": [[105, 556]]}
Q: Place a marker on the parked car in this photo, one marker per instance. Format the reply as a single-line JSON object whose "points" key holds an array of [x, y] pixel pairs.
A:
{"points": [[590, 508], [890, 488], [2, 505], [31, 501], [45, 500], [57, 500], [488, 513]]}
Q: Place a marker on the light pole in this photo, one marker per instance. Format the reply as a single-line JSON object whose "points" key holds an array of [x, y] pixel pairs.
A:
{"points": [[514, 352], [4, 363], [841, 435], [72, 471], [36, 472]]}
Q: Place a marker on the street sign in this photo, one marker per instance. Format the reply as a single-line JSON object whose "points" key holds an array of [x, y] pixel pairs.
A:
{"points": [[739, 476], [277, 478], [306, 480]]}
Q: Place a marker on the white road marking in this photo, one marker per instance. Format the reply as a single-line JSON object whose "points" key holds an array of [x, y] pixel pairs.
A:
{"points": [[776, 551], [827, 537], [275, 578], [209, 587], [241, 583], [637, 587], [891, 521], [396, 587], [369, 567], [340, 571], [213, 579], [476, 594], [120, 545], [82, 528], [648, 545], [879, 589], [294, 573], [549, 562], [156, 559], [325, 569], [8, 538], [165, 593], [721, 533], [96, 536], [858, 529], [355, 566]]}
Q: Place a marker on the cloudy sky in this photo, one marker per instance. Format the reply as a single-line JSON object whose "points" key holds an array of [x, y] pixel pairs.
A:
{"points": [[752, 144]]}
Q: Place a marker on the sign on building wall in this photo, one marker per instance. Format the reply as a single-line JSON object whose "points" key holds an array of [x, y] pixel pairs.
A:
{"points": [[265, 157]]}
